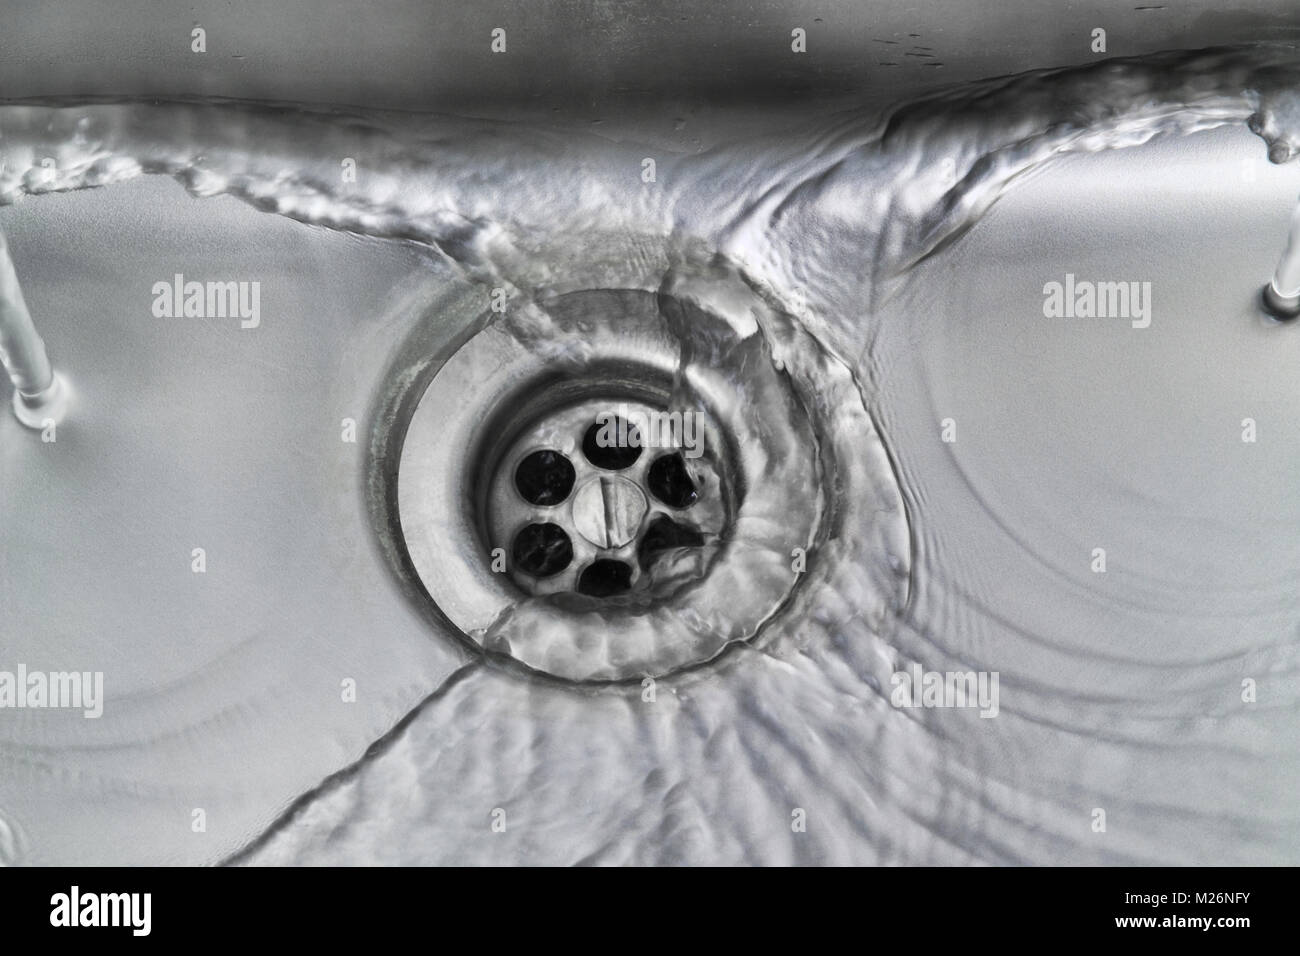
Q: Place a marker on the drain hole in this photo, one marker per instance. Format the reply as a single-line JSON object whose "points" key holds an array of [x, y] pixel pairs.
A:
{"points": [[612, 444], [665, 534], [542, 550], [544, 478], [605, 578], [671, 483]]}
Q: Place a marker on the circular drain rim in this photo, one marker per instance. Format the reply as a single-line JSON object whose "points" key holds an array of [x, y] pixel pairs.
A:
{"points": [[575, 353]]}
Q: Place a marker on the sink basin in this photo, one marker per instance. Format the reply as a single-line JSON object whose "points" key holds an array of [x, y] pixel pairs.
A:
{"points": [[224, 689], [271, 532]]}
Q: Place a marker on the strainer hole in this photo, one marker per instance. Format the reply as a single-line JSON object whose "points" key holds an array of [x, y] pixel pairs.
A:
{"points": [[544, 478], [605, 578], [665, 534], [541, 550], [612, 444], [671, 482]]}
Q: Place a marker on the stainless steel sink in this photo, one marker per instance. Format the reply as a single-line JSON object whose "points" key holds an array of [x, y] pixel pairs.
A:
{"points": [[224, 689], [305, 661]]}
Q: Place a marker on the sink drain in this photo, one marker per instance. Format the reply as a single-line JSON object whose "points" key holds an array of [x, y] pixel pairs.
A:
{"points": [[600, 499], [590, 496]]}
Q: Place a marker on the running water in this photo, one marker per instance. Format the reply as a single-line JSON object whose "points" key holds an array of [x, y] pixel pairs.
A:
{"points": [[824, 240], [898, 192]]}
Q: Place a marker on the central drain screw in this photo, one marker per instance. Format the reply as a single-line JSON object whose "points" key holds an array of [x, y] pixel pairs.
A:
{"points": [[607, 511]]}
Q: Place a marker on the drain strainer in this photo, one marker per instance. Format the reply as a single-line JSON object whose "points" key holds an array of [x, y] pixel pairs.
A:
{"points": [[601, 497], [589, 497]]}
